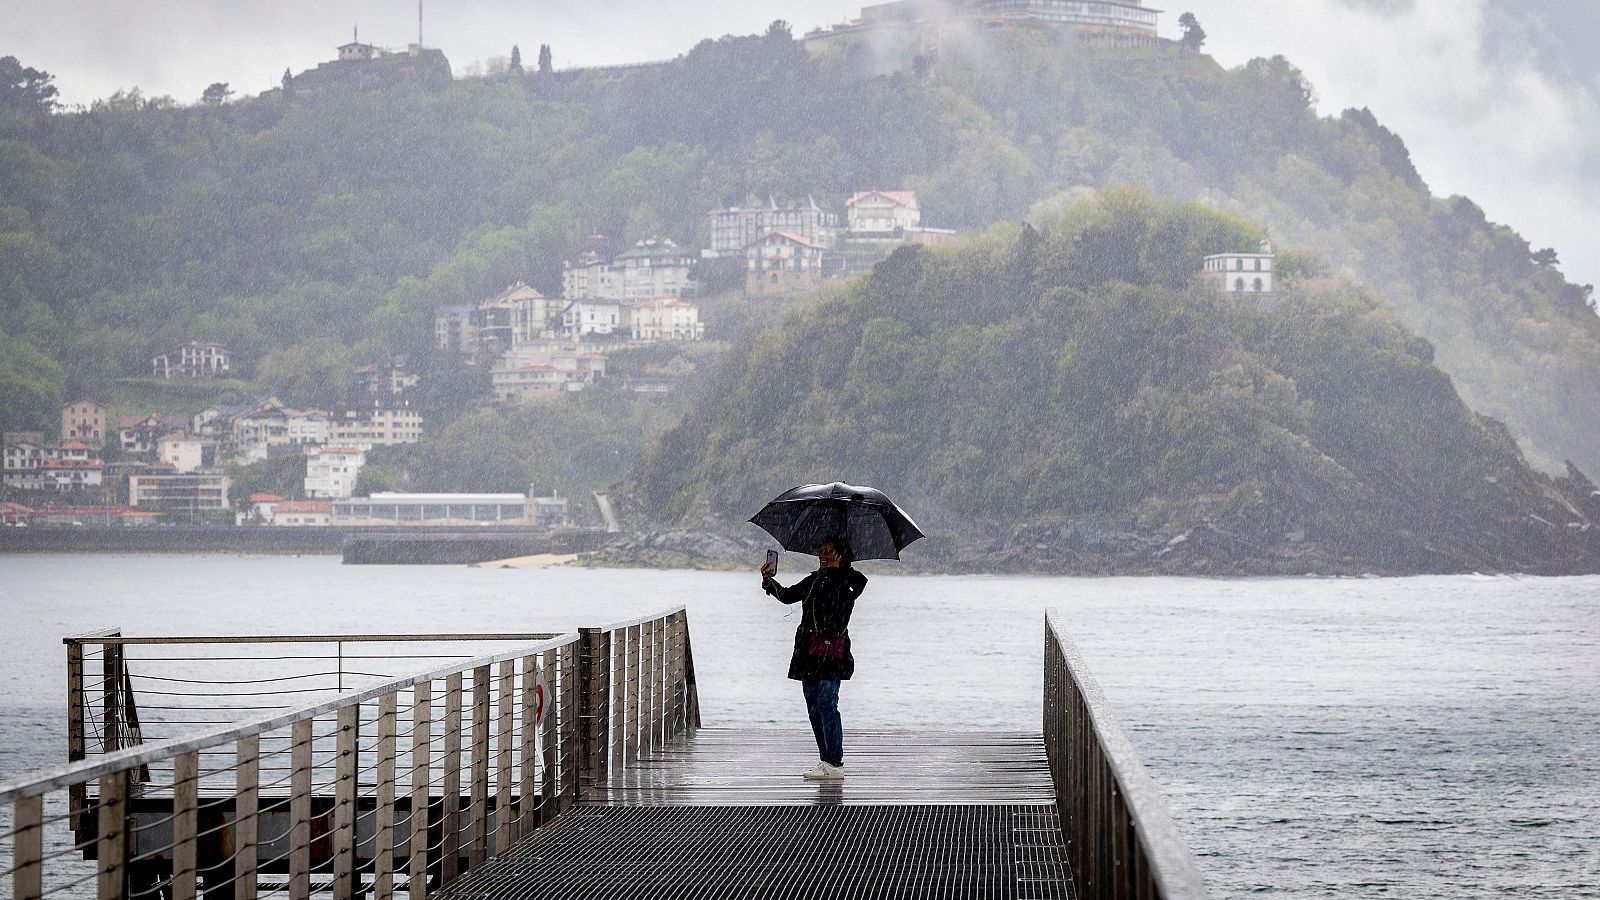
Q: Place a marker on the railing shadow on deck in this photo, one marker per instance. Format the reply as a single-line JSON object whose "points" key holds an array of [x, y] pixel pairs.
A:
{"points": [[1121, 840], [378, 790]]}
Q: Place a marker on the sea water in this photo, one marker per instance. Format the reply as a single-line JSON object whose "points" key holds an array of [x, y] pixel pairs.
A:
{"points": [[1409, 737]]}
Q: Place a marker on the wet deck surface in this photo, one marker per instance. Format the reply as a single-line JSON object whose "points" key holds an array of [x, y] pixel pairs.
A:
{"points": [[725, 814]]}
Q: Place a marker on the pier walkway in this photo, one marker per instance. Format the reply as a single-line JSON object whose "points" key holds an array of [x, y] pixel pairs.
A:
{"points": [[724, 813], [560, 765]]}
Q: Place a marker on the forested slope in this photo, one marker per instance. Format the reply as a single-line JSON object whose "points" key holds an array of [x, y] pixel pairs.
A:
{"points": [[292, 225], [1069, 399]]}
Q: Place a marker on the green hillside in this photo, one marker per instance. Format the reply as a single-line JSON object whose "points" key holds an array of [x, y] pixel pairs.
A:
{"points": [[282, 223], [1078, 373]]}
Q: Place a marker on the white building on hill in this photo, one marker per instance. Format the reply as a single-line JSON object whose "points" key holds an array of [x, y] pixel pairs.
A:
{"points": [[1241, 273]]}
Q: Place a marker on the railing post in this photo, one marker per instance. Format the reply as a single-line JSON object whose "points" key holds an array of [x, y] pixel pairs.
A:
{"points": [[111, 850], [344, 802], [569, 749], [617, 671], [110, 688], [555, 702], [77, 794], [27, 849], [593, 715], [421, 743], [383, 834], [450, 816], [246, 819], [652, 708], [635, 684], [185, 824], [691, 693], [300, 811], [505, 821], [478, 812], [531, 810]]}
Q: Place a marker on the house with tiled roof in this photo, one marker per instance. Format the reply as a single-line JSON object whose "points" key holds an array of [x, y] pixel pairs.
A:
{"points": [[84, 420], [780, 262]]}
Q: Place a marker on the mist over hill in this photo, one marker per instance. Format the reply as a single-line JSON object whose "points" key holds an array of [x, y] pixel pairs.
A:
{"points": [[292, 224], [1079, 381]]}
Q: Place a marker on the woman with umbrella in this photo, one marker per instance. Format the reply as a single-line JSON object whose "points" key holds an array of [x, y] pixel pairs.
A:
{"points": [[822, 645], [836, 521]]}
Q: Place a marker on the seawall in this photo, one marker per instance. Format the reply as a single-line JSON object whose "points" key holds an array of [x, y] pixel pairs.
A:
{"points": [[356, 545]]}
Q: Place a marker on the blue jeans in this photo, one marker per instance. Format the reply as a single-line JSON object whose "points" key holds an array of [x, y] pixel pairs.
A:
{"points": [[822, 705]]}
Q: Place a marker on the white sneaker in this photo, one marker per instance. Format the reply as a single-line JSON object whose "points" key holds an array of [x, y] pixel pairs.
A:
{"points": [[818, 772], [831, 773]]}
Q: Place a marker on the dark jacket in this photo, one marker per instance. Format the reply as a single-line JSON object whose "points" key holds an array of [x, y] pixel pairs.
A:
{"points": [[827, 597]]}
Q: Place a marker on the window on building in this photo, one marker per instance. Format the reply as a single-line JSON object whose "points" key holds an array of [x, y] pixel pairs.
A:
{"points": [[1258, 285], [1238, 284]]}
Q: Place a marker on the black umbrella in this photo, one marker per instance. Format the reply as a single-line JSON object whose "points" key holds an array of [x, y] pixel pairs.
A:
{"points": [[801, 517]]}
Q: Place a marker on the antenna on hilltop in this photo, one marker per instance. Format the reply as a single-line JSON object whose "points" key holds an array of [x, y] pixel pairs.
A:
{"points": [[419, 24]]}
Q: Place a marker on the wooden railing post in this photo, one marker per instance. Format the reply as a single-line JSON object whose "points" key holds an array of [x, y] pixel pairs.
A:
{"points": [[383, 830], [632, 711], [421, 744], [532, 807], [110, 689], [569, 746], [185, 825], [450, 815], [691, 693], [593, 713], [617, 748], [346, 742], [300, 811], [478, 812], [111, 844], [505, 820], [554, 702], [27, 849], [246, 818], [77, 740]]}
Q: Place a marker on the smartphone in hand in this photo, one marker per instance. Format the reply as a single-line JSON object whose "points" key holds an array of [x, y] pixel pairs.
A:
{"points": [[772, 561]]}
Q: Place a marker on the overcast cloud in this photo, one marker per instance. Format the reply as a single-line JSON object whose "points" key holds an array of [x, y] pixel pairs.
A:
{"points": [[1497, 99]]}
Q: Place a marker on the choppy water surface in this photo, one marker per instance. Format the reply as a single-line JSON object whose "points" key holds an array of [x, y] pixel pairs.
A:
{"points": [[1420, 737]]}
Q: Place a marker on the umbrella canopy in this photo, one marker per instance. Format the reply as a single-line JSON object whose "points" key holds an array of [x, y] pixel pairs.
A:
{"points": [[801, 517]]}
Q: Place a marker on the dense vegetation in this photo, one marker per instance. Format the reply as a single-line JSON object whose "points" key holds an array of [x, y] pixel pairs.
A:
{"points": [[314, 232], [1078, 371]]}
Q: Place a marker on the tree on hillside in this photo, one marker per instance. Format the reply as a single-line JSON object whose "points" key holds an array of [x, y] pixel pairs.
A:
{"points": [[1546, 257], [546, 65], [217, 94], [516, 60], [1193, 35], [25, 88], [780, 28]]}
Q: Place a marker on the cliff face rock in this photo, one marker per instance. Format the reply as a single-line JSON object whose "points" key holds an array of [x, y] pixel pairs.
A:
{"points": [[1074, 400]]}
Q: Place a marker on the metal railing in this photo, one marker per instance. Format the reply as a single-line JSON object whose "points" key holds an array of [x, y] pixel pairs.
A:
{"points": [[399, 786], [1120, 838]]}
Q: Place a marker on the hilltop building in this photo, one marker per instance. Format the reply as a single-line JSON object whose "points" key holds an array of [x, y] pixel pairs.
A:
{"points": [[1241, 273], [779, 262], [889, 217], [924, 24], [733, 229], [196, 359], [360, 66]]}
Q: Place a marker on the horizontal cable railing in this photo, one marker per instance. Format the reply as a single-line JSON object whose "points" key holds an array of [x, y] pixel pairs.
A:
{"points": [[1121, 840], [395, 787]]}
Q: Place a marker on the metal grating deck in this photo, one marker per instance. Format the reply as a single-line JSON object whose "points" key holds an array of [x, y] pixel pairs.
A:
{"points": [[723, 813], [750, 852]]}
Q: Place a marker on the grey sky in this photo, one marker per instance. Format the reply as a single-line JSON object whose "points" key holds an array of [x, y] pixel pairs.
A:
{"points": [[1497, 99]]}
